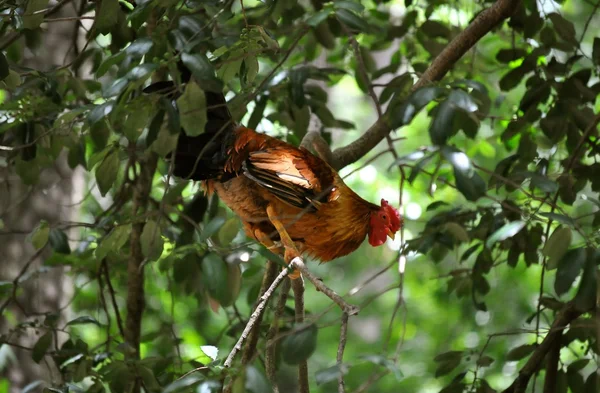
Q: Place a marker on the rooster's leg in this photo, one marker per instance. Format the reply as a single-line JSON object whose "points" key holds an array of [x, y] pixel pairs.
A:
{"points": [[291, 251], [266, 241]]}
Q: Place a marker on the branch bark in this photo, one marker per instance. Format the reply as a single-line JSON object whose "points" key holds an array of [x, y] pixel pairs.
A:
{"points": [[135, 271], [567, 315], [250, 349], [298, 288], [270, 352], [479, 27]]}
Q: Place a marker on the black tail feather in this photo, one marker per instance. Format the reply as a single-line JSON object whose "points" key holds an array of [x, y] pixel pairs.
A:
{"points": [[200, 157]]}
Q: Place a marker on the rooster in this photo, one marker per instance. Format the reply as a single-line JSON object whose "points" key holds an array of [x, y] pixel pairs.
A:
{"points": [[282, 193]]}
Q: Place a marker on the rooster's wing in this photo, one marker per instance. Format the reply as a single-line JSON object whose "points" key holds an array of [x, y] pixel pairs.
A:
{"points": [[295, 176]]}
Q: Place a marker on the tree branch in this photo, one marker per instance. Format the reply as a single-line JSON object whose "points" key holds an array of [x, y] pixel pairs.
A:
{"points": [[480, 26], [270, 352], [337, 299], [564, 317], [552, 365], [135, 270], [250, 349], [257, 312], [298, 288], [340, 352]]}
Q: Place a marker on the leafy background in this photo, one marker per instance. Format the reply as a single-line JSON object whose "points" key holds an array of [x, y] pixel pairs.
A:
{"points": [[496, 165]]}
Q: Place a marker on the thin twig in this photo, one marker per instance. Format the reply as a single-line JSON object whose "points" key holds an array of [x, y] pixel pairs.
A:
{"points": [[113, 299], [340, 352], [337, 299], [479, 27], [15, 282], [564, 317], [258, 311], [270, 352], [298, 288], [250, 349]]}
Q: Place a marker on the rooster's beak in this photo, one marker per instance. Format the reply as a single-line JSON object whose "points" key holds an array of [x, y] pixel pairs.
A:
{"points": [[391, 234]]}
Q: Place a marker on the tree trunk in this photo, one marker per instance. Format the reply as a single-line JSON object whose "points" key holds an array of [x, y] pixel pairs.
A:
{"points": [[55, 198]]}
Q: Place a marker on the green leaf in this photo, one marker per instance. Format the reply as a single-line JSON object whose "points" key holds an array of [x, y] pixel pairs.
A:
{"points": [[512, 78], [520, 352], [114, 241], [317, 18], [228, 232], [107, 171], [349, 5], [299, 345], [330, 374], [353, 21], [441, 125], [151, 240], [183, 383], [214, 277], [485, 361], [435, 29], [468, 182], [115, 59], [577, 365], [563, 27], [384, 362], [229, 70], [139, 47], [211, 228], [202, 70], [588, 288], [192, 109], [596, 51], [446, 366], [12, 81], [568, 269], [457, 231], [107, 15], [251, 63], [39, 236], [83, 320], [556, 246], [510, 54], [59, 241], [4, 70], [414, 103], [559, 218], [502, 169], [506, 231], [41, 347], [32, 18], [211, 351]]}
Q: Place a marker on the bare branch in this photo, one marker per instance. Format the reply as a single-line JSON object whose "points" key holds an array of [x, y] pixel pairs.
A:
{"points": [[567, 315], [337, 299], [270, 361], [257, 312], [298, 288], [480, 26], [250, 349], [340, 352], [111, 290], [314, 140]]}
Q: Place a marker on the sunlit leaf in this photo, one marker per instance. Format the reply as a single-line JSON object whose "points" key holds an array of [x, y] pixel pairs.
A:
{"points": [[556, 246], [520, 352], [505, 232], [192, 109]]}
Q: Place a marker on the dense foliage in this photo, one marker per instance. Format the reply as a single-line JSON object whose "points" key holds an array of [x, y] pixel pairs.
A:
{"points": [[493, 280]]}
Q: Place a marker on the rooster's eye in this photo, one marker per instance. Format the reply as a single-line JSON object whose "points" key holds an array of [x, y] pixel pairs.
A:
{"points": [[384, 217]]}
